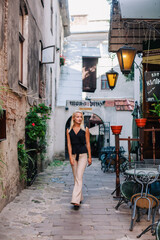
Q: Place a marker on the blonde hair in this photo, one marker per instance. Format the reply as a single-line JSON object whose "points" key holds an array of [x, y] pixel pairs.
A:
{"points": [[72, 120]]}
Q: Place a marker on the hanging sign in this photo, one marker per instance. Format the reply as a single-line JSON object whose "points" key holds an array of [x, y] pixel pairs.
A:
{"points": [[152, 81], [48, 54]]}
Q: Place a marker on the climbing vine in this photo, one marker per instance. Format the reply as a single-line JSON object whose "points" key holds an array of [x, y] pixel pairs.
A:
{"points": [[24, 159], [36, 127]]}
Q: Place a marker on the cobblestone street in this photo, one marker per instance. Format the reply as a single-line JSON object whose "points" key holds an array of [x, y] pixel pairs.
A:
{"points": [[43, 211]]}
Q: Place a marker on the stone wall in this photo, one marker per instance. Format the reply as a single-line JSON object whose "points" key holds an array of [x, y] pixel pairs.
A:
{"points": [[15, 106], [18, 97]]}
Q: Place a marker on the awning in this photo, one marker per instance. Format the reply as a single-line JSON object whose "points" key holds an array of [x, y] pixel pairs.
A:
{"points": [[134, 22]]}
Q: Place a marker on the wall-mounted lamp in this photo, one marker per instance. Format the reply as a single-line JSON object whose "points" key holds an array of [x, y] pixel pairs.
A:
{"points": [[126, 57], [112, 78]]}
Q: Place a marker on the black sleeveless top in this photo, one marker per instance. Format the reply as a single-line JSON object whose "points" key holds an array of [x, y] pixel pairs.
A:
{"points": [[78, 142]]}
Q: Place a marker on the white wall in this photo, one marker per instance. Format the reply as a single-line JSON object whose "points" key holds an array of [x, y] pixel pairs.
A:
{"points": [[107, 114], [52, 38], [70, 85]]}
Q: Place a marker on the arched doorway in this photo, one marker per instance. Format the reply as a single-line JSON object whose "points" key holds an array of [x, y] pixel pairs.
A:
{"points": [[99, 133]]}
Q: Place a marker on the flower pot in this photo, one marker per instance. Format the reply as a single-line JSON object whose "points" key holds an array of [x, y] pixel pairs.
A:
{"points": [[141, 122], [116, 129]]}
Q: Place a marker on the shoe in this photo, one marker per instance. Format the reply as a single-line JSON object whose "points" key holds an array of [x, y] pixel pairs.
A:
{"points": [[76, 207]]}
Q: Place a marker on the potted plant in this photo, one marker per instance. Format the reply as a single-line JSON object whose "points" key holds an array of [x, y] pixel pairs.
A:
{"points": [[156, 106], [140, 121], [116, 129]]}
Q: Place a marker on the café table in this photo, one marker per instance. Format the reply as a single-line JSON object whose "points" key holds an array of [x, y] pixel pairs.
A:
{"points": [[145, 175], [142, 171]]}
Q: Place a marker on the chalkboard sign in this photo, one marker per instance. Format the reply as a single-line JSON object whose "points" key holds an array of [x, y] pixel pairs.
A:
{"points": [[152, 81]]}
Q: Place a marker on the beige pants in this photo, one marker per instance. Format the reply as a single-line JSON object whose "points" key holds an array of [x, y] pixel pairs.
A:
{"points": [[78, 170]]}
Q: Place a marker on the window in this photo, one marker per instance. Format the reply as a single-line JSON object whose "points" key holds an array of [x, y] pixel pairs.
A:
{"points": [[23, 43], [3, 126], [104, 82], [89, 73], [51, 20]]}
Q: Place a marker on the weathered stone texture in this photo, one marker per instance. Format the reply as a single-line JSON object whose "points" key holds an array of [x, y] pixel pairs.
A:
{"points": [[16, 107], [1, 24], [15, 117]]}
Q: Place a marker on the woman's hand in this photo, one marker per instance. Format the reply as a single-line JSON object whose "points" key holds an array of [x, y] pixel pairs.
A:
{"points": [[89, 161], [72, 162], [88, 146]]}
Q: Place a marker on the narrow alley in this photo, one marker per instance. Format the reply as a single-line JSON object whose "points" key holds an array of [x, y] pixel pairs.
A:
{"points": [[43, 210], [78, 80]]}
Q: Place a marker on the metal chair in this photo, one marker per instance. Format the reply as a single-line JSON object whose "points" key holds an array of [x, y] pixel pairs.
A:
{"points": [[127, 190], [148, 202], [156, 227], [158, 230], [145, 175]]}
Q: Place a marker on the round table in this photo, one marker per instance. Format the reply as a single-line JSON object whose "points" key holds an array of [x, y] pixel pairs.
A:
{"points": [[142, 171]]}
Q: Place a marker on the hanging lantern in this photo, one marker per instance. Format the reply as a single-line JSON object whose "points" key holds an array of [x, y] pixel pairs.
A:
{"points": [[126, 57], [112, 78]]}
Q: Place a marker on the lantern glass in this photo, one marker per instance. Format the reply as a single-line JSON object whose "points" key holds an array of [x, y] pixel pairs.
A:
{"points": [[112, 78], [126, 57]]}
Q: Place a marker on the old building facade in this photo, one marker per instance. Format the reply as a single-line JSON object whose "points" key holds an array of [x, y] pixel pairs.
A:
{"points": [[137, 25], [28, 75], [83, 84]]}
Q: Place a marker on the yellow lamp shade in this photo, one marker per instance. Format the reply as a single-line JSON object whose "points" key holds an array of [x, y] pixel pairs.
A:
{"points": [[112, 78], [126, 57]]}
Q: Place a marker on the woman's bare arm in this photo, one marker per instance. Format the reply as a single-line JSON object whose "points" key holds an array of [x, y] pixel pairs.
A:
{"points": [[88, 146], [69, 148]]}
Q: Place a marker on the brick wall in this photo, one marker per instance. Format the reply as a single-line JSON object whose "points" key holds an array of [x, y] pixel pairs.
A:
{"points": [[15, 106]]}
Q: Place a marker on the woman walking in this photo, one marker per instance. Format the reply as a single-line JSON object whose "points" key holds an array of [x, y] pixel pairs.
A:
{"points": [[78, 140]]}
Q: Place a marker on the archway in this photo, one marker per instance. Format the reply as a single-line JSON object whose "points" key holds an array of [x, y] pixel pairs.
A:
{"points": [[99, 133]]}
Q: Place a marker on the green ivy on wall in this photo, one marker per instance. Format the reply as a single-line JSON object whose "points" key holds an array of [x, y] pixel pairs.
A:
{"points": [[36, 123], [36, 127], [24, 158]]}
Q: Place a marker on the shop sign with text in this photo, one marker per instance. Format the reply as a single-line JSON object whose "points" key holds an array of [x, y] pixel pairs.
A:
{"points": [[152, 81], [87, 103]]}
